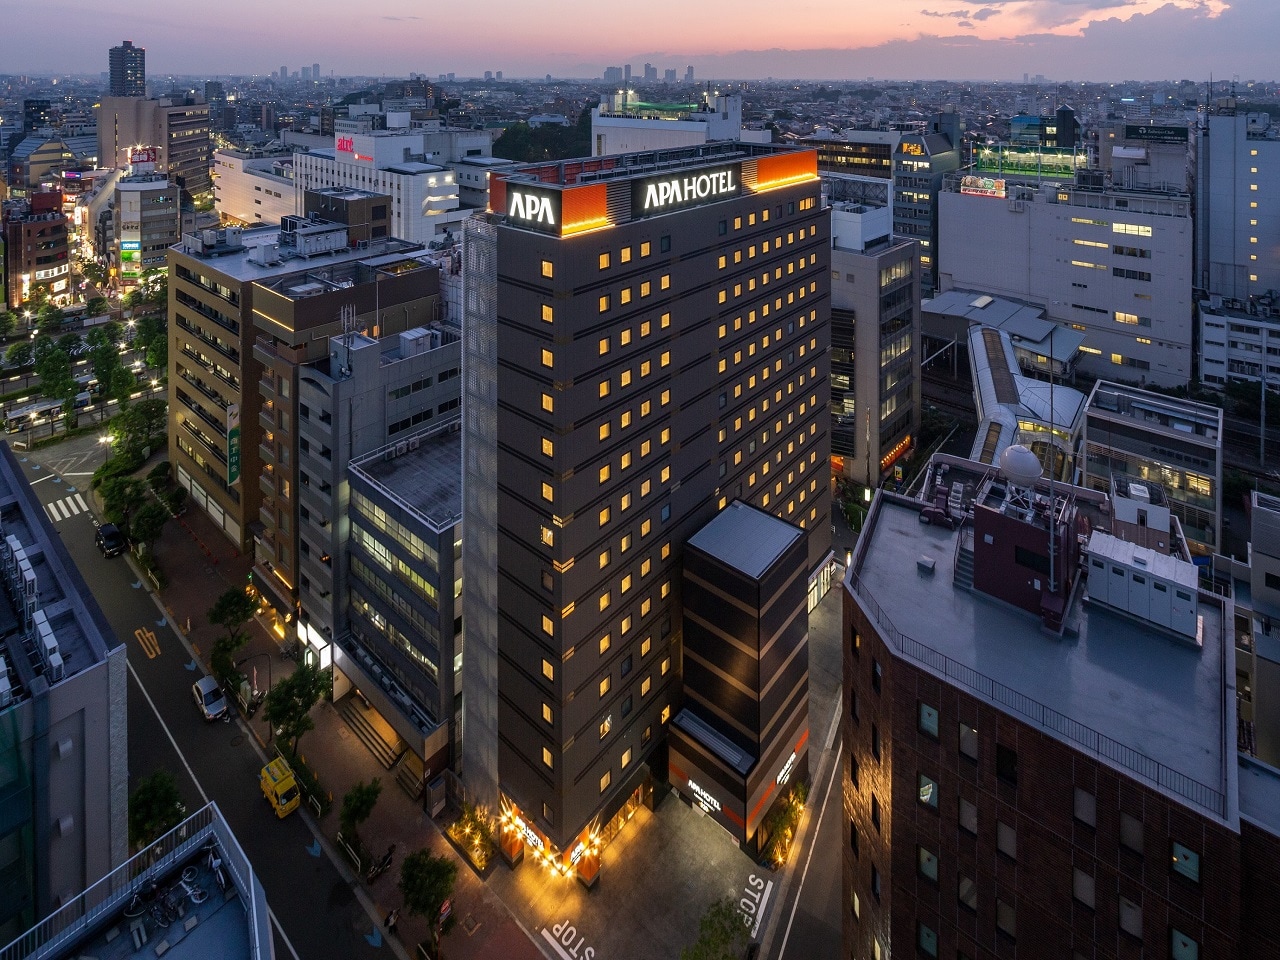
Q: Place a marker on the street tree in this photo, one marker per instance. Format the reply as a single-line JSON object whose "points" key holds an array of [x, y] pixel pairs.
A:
{"points": [[140, 424], [53, 367], [8, 321], [121, 498], [69, 342], [722, 934], [289, 702], [18, 354], [231, 611], [96, 306], [49, 318], [426, 882], [357, 807], [155, 808], [148, 522]]}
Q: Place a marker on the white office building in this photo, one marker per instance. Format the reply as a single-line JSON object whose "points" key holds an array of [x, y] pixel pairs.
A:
{"points": [[253, 187], [1113, 264], [623, 124], [424, 196]]}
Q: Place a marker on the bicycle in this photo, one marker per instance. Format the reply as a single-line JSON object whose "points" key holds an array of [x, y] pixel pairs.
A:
{"points": [[196, 893]]}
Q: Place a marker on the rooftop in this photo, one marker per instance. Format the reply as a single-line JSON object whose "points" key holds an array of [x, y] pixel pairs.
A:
{"points": [[566, 173], [1187, 418], [232, 252], [230, 921], [1112, 687], [62, 632], [745, 538], [421, 472]]}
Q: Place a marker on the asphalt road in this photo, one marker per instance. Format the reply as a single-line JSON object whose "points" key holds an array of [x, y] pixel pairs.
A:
{"points": [[315, 910]]}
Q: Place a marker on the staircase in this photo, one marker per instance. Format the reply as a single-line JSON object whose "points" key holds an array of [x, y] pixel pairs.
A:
{"points": [[962, 576], [353, 712], [409, 777]]}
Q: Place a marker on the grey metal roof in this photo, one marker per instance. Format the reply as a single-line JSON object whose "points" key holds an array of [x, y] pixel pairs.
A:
{"points": [[1155, 699], [746, 538], [713, 740]]}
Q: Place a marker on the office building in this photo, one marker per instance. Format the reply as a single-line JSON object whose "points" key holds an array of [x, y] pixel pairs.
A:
{"points": [[1059, 130], [176, 127], [233, 370], [875, 344], [147, 220], [63, 725], [1235, 336], [254, 187], [623, 124], [1110, 263], [920, 162], [37, 114], [128, 68], [663, 352], [1041, 738], [37, 251], [1148, 156], [858, 166], [1149, 437], [315, 72], [392, 162], [1237, 190]]}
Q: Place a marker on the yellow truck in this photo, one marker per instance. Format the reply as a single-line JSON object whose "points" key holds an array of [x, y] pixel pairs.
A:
{"points": [[279, 787]]}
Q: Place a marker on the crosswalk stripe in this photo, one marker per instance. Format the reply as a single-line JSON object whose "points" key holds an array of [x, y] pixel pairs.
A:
{"points": [[62, 507], [84, 507], [69, 504], [52, 511]]}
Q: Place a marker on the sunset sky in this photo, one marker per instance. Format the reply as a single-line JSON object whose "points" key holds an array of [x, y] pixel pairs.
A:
{"points": [[829, 39]]}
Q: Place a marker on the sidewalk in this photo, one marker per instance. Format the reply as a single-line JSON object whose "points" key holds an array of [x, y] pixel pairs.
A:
{"points": [[201, 564]]}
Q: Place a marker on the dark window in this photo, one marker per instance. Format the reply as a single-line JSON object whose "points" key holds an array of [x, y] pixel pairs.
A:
{"points": [[968, 817], [626, 706], [1007, 764], [1273, 581], [875, 882], [1131, 832], [722, 227], [875, 741], [854, 714], [626, 664], [853, 772], [927, 863], [969, 741], [853, 838], [1006, 919], [1032, 561], [664, 244], [876, 675], [875, 813], [927, 938], [548, 583], [967, 892]]}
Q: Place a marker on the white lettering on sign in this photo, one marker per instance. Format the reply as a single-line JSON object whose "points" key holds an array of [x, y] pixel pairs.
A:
{"points": [[530, 836], [687, 189], [785, 773], [530, 206], [577, 853], [707, 800]]}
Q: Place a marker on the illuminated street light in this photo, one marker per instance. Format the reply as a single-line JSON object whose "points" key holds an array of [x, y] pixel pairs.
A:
{"points": [[105, 440]]}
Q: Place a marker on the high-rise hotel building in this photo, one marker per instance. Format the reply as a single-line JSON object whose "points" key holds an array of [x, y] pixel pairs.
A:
{"points": [[652, 346]]}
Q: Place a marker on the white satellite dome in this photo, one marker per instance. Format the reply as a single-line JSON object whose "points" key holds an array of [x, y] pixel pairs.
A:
{"points": [[1020, 466]]}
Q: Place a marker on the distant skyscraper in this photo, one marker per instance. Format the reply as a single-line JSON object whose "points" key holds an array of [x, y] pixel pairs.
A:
{"points": [[669, 76], [284, 73], [315, 72], [128, 70], [306, 74], [650, 73], [688, 74]]}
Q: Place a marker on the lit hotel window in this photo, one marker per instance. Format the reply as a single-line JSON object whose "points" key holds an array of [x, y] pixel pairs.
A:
{"points": [[546, 756], [547, 269]]}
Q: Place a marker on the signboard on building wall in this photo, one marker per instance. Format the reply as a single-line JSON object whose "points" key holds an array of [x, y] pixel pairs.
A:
{"points": [[143, 155], [1155, 134], [982, 186], [678, 191], [532, 206], [233, 443]]}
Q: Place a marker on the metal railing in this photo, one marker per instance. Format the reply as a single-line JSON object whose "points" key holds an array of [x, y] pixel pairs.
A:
{"points": [[85, 915], [1099, 744]]}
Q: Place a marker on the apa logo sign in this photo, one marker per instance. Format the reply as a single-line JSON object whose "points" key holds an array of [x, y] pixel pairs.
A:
{"points": [[346, 145], [533, 207]]}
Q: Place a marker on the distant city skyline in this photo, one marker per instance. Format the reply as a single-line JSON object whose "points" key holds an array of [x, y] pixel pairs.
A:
{"points": [[1100, 40]]}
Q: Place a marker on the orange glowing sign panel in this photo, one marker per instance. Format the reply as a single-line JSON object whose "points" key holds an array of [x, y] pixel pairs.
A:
{"points": [[780, 169], [583, 208], [915, 149]]}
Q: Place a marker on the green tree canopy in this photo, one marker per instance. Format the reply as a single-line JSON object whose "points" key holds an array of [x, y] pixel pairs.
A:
{"points": [[50, 318], [231, 611], [357, 807], [53, 367], [19, 354], [722, 934], [146, 525], [289, 702], [137, 426], [155, 808], [121, 498], [7, 322], [426, 882]]}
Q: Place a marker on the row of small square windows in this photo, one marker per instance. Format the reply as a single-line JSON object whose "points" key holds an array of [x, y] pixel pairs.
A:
{"points": [[723, 295], [548, 535], [723, 261]]}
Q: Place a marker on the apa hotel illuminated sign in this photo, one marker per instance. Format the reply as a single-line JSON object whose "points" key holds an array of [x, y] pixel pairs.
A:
{"points": [[534, 207], [707, 800], [677, 191]]}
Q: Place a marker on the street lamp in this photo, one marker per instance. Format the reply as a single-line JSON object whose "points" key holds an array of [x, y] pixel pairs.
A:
{"points": [[105, 441]]}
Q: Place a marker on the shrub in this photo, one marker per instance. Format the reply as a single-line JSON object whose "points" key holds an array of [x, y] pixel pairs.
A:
{"points": [[158, 475]]}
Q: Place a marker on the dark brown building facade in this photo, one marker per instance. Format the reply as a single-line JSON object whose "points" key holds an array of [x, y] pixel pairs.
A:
{"points": [[663, 334]]}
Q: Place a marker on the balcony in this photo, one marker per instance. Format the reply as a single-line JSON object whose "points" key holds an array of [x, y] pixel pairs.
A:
{"points": [[267, 483], [267, 454]]}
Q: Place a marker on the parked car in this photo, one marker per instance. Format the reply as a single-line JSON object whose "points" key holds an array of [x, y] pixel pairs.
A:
{"points": [[110, 540], [209, 698]]}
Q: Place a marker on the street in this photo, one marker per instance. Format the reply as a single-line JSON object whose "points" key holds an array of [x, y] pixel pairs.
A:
{"points": [[211, 761]]}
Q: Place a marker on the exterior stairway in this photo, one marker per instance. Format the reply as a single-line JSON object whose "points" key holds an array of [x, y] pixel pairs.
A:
{"points": [[353, 712], [962, 576]]}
